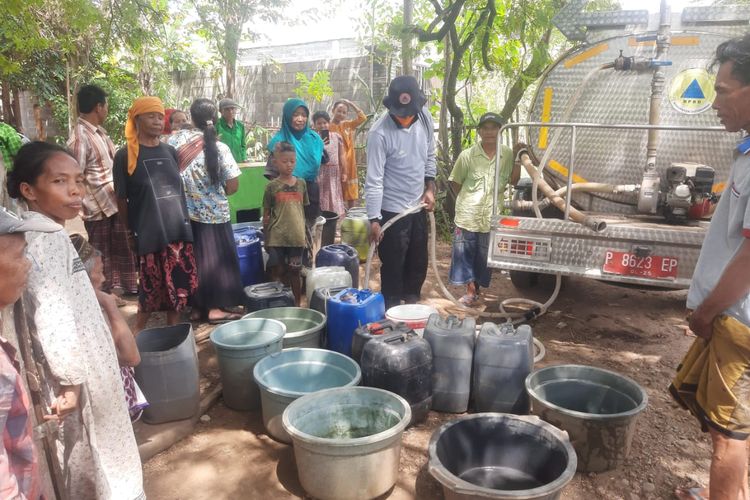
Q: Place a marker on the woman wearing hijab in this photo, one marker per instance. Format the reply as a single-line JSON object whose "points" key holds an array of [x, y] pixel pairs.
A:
{"points": [[151, 202], [309, 148]]}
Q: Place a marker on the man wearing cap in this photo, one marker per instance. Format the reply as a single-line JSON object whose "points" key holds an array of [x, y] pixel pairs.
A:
{"points": [[401, 173], [19, 477], [473, 178], [232, 132]]}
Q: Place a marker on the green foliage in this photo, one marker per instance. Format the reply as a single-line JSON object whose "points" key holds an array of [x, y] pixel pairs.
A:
{"points": [[257, 138], [224, 24], [314, 89]]}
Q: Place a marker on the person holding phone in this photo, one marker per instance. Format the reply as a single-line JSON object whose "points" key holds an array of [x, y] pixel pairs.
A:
{"points": [[332, 176]]}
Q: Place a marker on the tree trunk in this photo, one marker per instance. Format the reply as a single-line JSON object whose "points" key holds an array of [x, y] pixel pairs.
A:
{"points": [[449, 205], [231, 47], [7, 106], [407, 64]]}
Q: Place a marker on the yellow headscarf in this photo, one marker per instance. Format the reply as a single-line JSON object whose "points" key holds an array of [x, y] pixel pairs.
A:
{"points": [[142, 105]]}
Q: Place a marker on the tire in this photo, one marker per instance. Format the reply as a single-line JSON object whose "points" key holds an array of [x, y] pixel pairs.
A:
{"points": [[523, 280], [527, 281]]}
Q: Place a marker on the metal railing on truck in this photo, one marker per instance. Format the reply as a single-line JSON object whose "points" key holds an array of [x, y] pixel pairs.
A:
{"points": [[573, 131]]}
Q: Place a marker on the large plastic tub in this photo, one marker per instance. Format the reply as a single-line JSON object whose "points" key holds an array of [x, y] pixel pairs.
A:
{"points": [[285, 376], [168, 373], [501, 456], [239, 346], [414, 315], [597, 408], [347, 441], [303, 326]]}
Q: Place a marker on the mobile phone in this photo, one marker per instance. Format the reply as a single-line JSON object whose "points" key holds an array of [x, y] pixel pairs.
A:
{"points": [[325, 135]]}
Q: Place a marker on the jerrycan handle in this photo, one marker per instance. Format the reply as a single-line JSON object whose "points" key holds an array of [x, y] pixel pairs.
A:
{"points": [[272, 286], [452, 321], [381, 327], [395, 337]]}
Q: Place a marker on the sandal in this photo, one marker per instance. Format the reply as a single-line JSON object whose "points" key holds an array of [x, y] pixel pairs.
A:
{"points": [[690, 493], [468, 300], [224, 319]]}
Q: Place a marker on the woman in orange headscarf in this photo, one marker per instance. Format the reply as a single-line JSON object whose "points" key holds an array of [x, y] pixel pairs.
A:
{"points": [[151, 202]]}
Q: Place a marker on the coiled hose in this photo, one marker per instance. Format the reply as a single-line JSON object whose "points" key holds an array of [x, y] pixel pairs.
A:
{"points": [[535, 309]]}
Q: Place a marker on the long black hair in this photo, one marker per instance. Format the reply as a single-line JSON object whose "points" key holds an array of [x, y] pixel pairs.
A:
{"points": [[28, 165], [203, 113]]}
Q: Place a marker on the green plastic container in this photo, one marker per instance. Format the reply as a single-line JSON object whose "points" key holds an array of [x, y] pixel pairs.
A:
{"points": [[355, 231], [250, 192], [239, 346], [303, 326]]}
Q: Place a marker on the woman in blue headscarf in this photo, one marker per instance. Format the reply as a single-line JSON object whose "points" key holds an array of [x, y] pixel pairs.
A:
{"points": [[309, 148]]}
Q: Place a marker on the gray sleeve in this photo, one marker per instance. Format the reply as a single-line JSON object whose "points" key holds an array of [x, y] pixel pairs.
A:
{"points": [[375, 172], [431, 167]]}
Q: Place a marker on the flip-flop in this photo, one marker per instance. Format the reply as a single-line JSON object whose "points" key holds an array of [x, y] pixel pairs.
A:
{"points": [[224, 319], [693, 493]]}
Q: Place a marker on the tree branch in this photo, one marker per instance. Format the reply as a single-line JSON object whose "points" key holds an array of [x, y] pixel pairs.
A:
{"points": [[447, 16], [487, 32]]}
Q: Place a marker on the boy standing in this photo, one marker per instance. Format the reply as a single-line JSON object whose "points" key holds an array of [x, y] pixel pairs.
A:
{"points": [[473, 177], [284, 219]]}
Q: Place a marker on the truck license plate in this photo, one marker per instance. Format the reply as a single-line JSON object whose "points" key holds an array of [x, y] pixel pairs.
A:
{"points": [[629, 264]]}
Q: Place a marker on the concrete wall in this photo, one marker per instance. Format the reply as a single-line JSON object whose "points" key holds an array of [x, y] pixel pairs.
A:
{"points": [[266, 78], [29, 107]]}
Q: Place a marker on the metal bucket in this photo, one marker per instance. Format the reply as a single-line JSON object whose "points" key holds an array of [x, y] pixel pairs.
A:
{"points": [[239, 346], [303, 326], [347, 441], [501, 456], [285, 376], [597, 408]]}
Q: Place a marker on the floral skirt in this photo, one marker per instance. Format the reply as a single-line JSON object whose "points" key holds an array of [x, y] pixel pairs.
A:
{"points": [[169, 278]]}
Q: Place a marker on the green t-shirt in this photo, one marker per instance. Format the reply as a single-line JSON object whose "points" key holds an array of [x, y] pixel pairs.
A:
{"points": [[10, 143], [285, 205], [234, 137], [475, 172]]}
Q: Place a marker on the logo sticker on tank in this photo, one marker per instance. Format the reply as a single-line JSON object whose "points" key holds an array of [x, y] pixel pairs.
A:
{"points": [[692, 91]]}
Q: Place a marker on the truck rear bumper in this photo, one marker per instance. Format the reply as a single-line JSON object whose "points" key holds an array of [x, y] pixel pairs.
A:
{"points": [[636, 250]]}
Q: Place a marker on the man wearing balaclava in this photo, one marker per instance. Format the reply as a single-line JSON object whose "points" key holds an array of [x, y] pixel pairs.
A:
{"points": [[400, 175]]}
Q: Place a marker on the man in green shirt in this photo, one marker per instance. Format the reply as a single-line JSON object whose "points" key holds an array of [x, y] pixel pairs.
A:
{"points": [[10, 143], [232, 132], [473, 178]]}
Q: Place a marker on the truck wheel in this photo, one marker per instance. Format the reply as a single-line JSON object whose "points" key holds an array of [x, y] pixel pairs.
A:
{"points": [[524, 280], [541, 282]]}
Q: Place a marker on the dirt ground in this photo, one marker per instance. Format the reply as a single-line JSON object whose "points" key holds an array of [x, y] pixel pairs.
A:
{"points": [[641, 334]]}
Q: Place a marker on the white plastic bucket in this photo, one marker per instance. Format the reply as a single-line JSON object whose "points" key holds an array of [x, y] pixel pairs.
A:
{"points": [[414, 315]]}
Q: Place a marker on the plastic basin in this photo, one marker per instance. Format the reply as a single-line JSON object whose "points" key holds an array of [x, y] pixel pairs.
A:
{"points": [[414, 315], [597, 408], [347, 441], [168, 373], [239, 345], [303, 326], [502, 456], [285, 376]]}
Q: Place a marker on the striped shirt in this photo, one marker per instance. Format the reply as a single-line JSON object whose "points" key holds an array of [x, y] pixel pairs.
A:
{"points": [[94, 151], [18, 463]]}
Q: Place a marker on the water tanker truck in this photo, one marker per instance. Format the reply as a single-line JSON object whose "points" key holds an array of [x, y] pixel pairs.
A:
{"points": [[626, 159]]}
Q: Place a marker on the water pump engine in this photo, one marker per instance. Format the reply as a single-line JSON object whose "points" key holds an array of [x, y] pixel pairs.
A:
{"points": [[689, 191]]}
